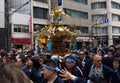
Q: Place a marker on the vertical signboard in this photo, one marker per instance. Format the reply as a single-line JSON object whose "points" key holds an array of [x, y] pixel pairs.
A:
{"points": [[60, 4], [30, 24]]}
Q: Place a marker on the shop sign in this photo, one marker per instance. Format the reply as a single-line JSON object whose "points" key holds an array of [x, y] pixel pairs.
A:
{"points": [[21, 40]]}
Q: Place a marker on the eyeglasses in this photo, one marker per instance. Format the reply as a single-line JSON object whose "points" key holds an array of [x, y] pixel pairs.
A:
{"points": [[81, 54]]}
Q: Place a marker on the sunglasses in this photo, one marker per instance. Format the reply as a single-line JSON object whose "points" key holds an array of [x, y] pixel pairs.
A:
{"points": [[99, 60]]}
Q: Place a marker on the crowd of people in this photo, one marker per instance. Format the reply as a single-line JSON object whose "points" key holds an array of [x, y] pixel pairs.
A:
{"points": [[86, 65]]}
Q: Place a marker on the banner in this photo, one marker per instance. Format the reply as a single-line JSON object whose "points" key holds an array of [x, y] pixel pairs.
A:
{"points": [[74, 45], [30, 25], [49, 46]]}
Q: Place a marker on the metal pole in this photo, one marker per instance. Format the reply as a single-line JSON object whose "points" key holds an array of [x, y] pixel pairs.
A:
{"points": [[49, 2], [100, 29], [7, 26], [31, 16], [96, 27], [101, 35]]}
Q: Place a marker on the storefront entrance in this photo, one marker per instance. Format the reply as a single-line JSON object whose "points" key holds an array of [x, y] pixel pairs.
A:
{"points": [[18, 46]]}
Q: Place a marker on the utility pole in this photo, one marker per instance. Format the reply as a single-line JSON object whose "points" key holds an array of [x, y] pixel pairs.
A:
{"points": [[7, 28], [31, 25]]}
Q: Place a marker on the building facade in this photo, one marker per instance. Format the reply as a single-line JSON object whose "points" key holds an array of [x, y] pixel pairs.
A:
{"points": [[79, 17], [19, 14], [96, 20], [29, 13], [3, 35], [105, 18]]}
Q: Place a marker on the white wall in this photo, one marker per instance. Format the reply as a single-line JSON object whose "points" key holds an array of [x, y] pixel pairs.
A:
{"points": [[80, 7], [18, 18], [2, 12], [21, 19]]}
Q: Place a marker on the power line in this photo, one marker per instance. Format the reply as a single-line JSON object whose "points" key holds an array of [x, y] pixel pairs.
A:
{"points": [[20, 7], [16, 6]]}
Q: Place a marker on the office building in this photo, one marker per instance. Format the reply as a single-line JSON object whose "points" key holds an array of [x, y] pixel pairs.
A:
{"points": [[24, 15], [96, 20], [79, 17], [106, 14]]}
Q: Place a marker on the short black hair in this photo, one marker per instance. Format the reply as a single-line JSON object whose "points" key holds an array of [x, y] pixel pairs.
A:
{"points": [[50, 63]]}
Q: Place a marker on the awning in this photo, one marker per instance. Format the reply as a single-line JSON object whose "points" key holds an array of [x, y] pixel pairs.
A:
{"points": [[21, 40], [80, 39]]}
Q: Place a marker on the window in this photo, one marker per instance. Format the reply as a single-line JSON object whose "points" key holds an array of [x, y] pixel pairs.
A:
{"points": [[76, 14], [40, 13], [21, 28], [104, 30], [115, 17], [40, 26], [45, 1], [100, 30], [82, 29], [81, 1], [116, 30], [98, 5], [115, 5], [98, 18]]}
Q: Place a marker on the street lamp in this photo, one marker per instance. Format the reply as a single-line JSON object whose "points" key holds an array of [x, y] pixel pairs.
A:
{"points": [[102, 20], [94, 32], [100, 28]]}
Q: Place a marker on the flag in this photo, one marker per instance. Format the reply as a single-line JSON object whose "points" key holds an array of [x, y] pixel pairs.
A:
{"points": [[74, 45], [49, 46], [37, 47], [60, 18]]}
